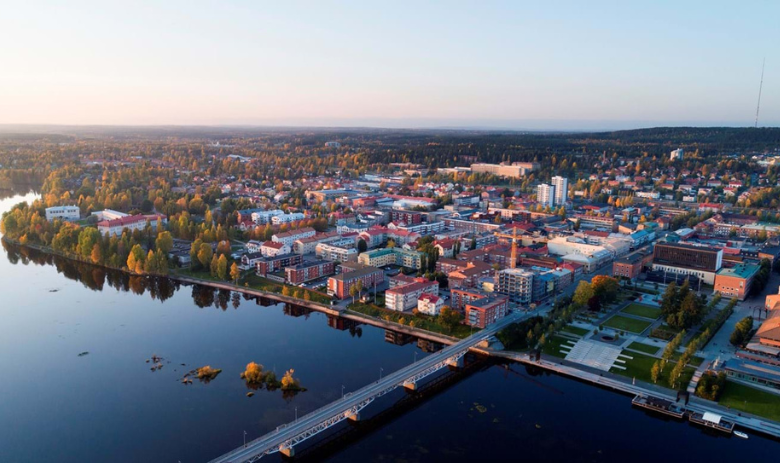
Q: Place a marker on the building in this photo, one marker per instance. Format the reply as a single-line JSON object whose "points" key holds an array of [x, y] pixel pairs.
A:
{"points": [[470, 275], [751, 372], [115, 227], [404, 297], [676, 155], [63, 213], [430, 304], [630, 266], [516, 283], [308, 271], [274, 264], [391, 256], [517, 169], [339, 285], [545, 195], [274, 248], [684, 259], [309, 245], [329, 251], [109, 214], [561, 185], [736, 281], [289, 237], [287, 218], [264, 217], [485, 311]]}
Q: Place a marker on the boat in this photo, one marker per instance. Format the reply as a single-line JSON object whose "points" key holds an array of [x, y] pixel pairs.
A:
{"points": [[740, 434]]}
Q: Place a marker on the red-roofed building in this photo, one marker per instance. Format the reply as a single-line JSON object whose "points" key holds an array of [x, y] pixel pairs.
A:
{"points": [[430, 304], [114, 227]]}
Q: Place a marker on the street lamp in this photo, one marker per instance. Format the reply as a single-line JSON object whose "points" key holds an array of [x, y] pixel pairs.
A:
{"points": [[380, 372], [244, 439], [415, 356], [342, 391], [296, 413]]}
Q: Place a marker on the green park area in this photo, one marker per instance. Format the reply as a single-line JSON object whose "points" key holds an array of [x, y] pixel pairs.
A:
{"points": [[575, 330], [751, 400], [622, 323], [641, 310], [652, 350], [553, 346], [640, 365]]}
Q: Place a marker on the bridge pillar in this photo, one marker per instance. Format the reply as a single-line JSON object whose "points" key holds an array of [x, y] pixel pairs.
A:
{"points": [[288, 452], [353, 416], [455, 363], [410, 385]]}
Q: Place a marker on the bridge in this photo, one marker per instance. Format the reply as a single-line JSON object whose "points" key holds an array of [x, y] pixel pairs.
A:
{"points": [[286, 436]]}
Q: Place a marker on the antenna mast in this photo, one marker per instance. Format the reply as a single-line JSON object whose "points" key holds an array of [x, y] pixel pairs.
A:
{"points": [[760, 86]]}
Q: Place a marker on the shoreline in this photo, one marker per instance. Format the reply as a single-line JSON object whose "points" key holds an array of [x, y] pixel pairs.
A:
{"points": [[311, 305]]}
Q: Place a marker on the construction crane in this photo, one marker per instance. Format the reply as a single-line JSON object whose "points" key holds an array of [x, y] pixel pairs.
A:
{"points": [[513, 237]]}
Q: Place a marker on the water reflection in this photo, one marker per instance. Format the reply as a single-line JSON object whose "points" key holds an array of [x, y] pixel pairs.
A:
{"points": [[96, 278]]}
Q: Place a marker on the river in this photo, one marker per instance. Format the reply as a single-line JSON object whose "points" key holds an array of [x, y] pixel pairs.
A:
{"points": [[107, 405]]}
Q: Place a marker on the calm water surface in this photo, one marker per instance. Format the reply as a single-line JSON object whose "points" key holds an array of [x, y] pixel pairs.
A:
{"points": [[108, 406]]}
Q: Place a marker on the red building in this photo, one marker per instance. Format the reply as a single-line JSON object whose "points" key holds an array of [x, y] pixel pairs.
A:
{"points": [[339, 285], [308, 271], [485, 311], [461, 297], [275, 264]]}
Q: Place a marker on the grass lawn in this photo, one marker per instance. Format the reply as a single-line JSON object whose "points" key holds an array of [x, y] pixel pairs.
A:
{"points": [[642, 310], [553, 346], [647, 349], [639, 368], [424, 322], [665, 332], [632, 325], [576, 330], [252, 280], [748, 399]]}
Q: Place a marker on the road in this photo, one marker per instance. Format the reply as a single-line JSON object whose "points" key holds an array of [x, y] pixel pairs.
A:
{"points": [[273, 440]]}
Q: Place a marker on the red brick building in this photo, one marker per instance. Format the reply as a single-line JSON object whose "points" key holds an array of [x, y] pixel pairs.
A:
{"points": [[308, 271], [274, 264], [483, 312], [339, 285]]}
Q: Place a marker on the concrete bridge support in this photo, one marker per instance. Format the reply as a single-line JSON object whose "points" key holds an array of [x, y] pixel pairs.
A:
{"points": [[410, 385], [455, 363], [355, 417], [288, 452]]}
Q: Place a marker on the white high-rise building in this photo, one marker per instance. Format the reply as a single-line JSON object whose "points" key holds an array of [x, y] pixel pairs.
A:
{"points": [[676, 154], [545, 195], [561, 185]]}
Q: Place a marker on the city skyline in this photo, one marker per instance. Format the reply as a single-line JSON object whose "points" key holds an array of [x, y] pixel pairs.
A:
{"points": [[498, 66]]}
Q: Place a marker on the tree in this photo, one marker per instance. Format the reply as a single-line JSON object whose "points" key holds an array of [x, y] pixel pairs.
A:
{"points": [[205, 254], [741, 333], [359, 286], [583, 293], [135, 260], [97, 254], [164, 242], [655, 371], [289, 382], [361, 245], [449, 318], [605, 287], [353, 291], [222, 267], [235, 273]]}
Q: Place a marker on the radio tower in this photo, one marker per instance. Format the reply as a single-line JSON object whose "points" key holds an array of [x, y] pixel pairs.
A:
{"points": [[760, 86]]}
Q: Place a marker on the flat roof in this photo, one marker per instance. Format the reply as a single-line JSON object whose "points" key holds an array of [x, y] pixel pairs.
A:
{"points": [[743, 271]]}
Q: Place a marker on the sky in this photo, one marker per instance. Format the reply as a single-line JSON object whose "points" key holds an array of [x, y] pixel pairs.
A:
{"points": [[552, 65]]}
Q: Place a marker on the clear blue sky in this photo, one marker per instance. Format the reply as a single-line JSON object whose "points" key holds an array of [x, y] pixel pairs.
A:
{"points": [[583, 64]]}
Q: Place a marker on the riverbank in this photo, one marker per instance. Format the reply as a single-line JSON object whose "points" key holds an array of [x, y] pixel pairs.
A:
{"points": [[615, 383], [228, 286]]}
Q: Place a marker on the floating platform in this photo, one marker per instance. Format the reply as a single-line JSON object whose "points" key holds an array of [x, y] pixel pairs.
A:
{"points": [[712, 421], [656, 404]]}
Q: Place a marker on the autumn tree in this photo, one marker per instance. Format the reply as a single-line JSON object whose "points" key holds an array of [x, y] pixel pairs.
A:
{"points": [[222, 267], [164, 242], [235, 273]]}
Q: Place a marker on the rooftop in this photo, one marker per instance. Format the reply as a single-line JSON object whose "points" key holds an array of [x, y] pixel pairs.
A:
{"points": [[743, 271]]}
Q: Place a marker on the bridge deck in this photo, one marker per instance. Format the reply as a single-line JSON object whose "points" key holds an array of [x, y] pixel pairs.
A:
{"points": [[286, 436]]}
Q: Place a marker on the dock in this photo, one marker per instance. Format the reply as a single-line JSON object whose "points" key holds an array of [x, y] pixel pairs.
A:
{"points": [[659, 405], [712, 421]]}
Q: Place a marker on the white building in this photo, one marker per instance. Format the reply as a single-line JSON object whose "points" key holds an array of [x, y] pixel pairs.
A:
{"points": [[264, 217], [561, 185], [402, 298], [289, 237], [109, 214], [516, 283], [274, 248], [287, 218], [430, 304], [676, 154], [330, 251], [114, 227], [63, 213], [545, 195]]}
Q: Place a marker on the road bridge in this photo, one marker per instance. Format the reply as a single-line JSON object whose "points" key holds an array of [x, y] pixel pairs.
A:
{"points": [[286, 436]]}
